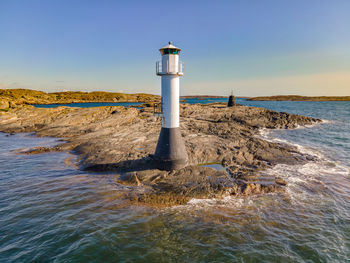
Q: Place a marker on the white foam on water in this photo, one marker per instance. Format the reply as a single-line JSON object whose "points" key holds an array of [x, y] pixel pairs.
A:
{"points": [[265, 131], [305, 126], [237, 202], [326, 121], [265, 135], [338, 167], [308, 181], [209, 203], [304, 180]]}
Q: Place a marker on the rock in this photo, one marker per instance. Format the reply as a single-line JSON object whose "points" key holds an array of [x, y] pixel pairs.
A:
{"points": [[280, 181], [4, 105], [122, 139]]}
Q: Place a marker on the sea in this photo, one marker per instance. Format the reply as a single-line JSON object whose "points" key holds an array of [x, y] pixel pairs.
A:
{"points": [[50, 211]]}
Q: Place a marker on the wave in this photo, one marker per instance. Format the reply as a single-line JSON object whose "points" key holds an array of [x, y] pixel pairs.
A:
{"points": [[265, 134]]}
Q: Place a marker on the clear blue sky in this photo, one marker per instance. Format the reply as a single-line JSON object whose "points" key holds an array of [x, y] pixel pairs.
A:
{"points": [[254, 47]]}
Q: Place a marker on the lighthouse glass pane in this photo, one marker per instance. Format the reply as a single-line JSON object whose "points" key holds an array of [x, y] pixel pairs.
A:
{"points": [[170, 51]]}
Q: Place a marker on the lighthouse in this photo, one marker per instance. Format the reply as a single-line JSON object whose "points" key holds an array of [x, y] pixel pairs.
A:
{"points": [[170, 153]]}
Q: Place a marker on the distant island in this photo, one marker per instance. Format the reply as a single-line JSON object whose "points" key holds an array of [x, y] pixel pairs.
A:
{"points": [[10, 98], [300, 98], [13, 97]]}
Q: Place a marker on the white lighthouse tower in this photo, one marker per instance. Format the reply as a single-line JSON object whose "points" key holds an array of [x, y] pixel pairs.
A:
{"points": [[170, 152]]}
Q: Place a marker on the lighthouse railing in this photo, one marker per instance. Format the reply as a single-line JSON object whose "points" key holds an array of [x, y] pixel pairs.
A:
{"points": [[171, 68]]}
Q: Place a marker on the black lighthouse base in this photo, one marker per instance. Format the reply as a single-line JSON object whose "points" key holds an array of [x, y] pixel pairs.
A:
{"points": [[170, 152]]}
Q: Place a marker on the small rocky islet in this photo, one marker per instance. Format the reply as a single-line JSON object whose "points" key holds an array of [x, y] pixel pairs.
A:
{"points": [[122, 140]]}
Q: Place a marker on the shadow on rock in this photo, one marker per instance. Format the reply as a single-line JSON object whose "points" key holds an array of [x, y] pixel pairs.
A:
{"points": [[142, 164]]}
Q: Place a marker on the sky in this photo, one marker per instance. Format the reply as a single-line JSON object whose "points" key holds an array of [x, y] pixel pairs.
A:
{"points": [[253, 47]]}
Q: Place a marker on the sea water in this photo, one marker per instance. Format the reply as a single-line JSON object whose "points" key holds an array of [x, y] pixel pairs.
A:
{"points": [[52, 212]]}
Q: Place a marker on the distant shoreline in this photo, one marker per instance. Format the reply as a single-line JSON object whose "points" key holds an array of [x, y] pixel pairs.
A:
{"points": [[300, 98], [10, 98], [201, 96]]}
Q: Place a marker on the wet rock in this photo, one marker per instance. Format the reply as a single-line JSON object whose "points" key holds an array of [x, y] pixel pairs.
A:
{"points": [[36, 150]]}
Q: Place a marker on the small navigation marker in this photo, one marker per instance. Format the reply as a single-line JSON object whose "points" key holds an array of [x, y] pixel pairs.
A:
{"points": [[170, 152], [231, 100]]}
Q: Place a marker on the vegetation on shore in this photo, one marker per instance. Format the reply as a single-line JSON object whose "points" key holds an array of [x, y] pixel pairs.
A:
{"points": [[300, 98], [11, 97]]}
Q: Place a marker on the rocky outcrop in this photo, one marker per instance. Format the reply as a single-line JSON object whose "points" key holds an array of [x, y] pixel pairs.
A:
{"points": [[122, 140]]}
